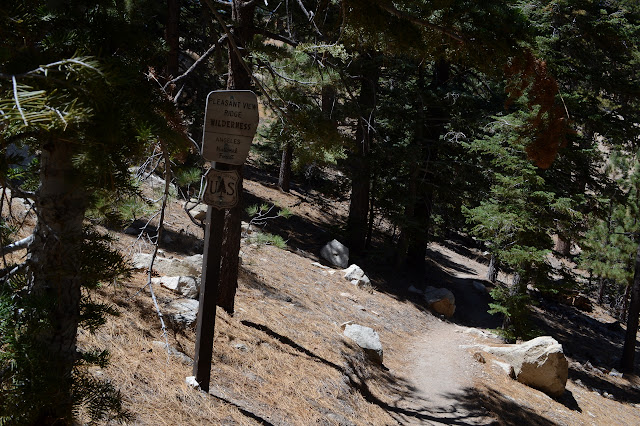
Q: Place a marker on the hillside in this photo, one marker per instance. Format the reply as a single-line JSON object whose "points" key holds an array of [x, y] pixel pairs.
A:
{"points": [[282, 358]]}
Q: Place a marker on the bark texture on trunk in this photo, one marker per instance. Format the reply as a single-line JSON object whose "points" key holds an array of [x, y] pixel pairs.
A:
{"points": [[55, 270], [492, 272], [243, 30], [563, 246], [172, 37], [359, 160], [629, 350], [430, 126], [284, 178]]}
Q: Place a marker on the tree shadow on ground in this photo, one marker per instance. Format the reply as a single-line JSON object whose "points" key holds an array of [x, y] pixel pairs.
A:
{"points": [[306, 237], [444, 261], [594, 348], [303, 235], [177, 241], [399, 395]]}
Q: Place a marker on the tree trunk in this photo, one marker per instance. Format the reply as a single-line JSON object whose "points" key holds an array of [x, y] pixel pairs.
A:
{"points": [[239, 79], [409, 213], [629, 350], [430, 126], [172, 37], [372, 215], [360, 165], [492, 273], [328, 101], [622, 312], [563, 246], [55, 272], [601, 288], [284, 179], [419, 238]]}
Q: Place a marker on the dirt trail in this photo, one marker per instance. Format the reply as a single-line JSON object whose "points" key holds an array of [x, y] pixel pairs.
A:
{"points": [[440, 368], [442, 373]]}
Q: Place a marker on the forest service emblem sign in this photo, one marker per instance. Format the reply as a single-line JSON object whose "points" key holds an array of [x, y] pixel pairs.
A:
{"points": [[221, 190]]}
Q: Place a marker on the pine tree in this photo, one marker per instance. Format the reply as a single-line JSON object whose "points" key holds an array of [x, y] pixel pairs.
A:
{"points": [[83, 117]]}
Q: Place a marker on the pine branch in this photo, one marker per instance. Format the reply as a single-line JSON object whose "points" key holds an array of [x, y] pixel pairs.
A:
{"points": [[392, 10], [202, 58], [235, 48]]}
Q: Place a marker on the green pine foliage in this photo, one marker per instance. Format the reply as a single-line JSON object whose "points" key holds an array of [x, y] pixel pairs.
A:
{"points": [[78, 73], [515, 220], [26, 376]]}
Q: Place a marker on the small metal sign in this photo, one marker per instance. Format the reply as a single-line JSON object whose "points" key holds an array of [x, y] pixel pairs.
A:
{"points": [[231, 121], [221, 190]]}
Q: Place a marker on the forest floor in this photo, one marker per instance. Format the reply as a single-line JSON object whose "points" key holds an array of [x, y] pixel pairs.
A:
{"points": [[281, 359]]}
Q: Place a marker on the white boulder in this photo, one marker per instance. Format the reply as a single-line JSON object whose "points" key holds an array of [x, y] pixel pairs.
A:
{"points": [[356, 276], [183, 311], [367, 338], [172, 267], [186, 286], [539, 363]]}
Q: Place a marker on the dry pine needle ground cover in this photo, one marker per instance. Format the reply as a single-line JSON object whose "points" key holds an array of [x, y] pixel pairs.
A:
{"points": [[281, 359]]}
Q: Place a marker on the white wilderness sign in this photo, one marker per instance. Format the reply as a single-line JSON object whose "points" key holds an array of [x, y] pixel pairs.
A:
{"points": [[231, 120]]}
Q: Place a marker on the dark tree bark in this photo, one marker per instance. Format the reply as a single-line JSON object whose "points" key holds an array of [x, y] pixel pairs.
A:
{"points": [[601, 288], [629, 350], [563, 246], [243, 31], [492, 273], [419, 239], [172, 37], [359, 160], [284, 178], [55, 270], [430, 126]]}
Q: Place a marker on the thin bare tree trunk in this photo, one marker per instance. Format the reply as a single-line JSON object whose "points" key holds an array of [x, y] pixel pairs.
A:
{"points": [[492, 272], [359, 160], [284, 179]]}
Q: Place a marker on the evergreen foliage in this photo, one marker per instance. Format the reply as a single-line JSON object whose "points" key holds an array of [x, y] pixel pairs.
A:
{"points": [[77, 91]]}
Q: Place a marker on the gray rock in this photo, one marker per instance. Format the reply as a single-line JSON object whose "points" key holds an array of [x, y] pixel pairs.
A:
{"points": [[539, 363], [440, 300], [183, 311], [189, 267], [186, 286], [356, 276], [199, 211], [367, 338], [336, 254]]}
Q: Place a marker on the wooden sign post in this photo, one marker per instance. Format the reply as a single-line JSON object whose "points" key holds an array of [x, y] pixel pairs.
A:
{"points": [[231, 120]]}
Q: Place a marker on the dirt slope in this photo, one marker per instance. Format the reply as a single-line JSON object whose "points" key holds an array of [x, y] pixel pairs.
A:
{"points": [[282, 360]]}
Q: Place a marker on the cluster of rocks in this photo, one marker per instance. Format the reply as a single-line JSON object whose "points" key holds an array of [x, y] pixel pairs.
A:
{"points": [[183, 277], [439, 300]]}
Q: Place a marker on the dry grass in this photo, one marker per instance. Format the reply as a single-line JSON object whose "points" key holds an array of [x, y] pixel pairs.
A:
{"points": [[281, 359]]}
